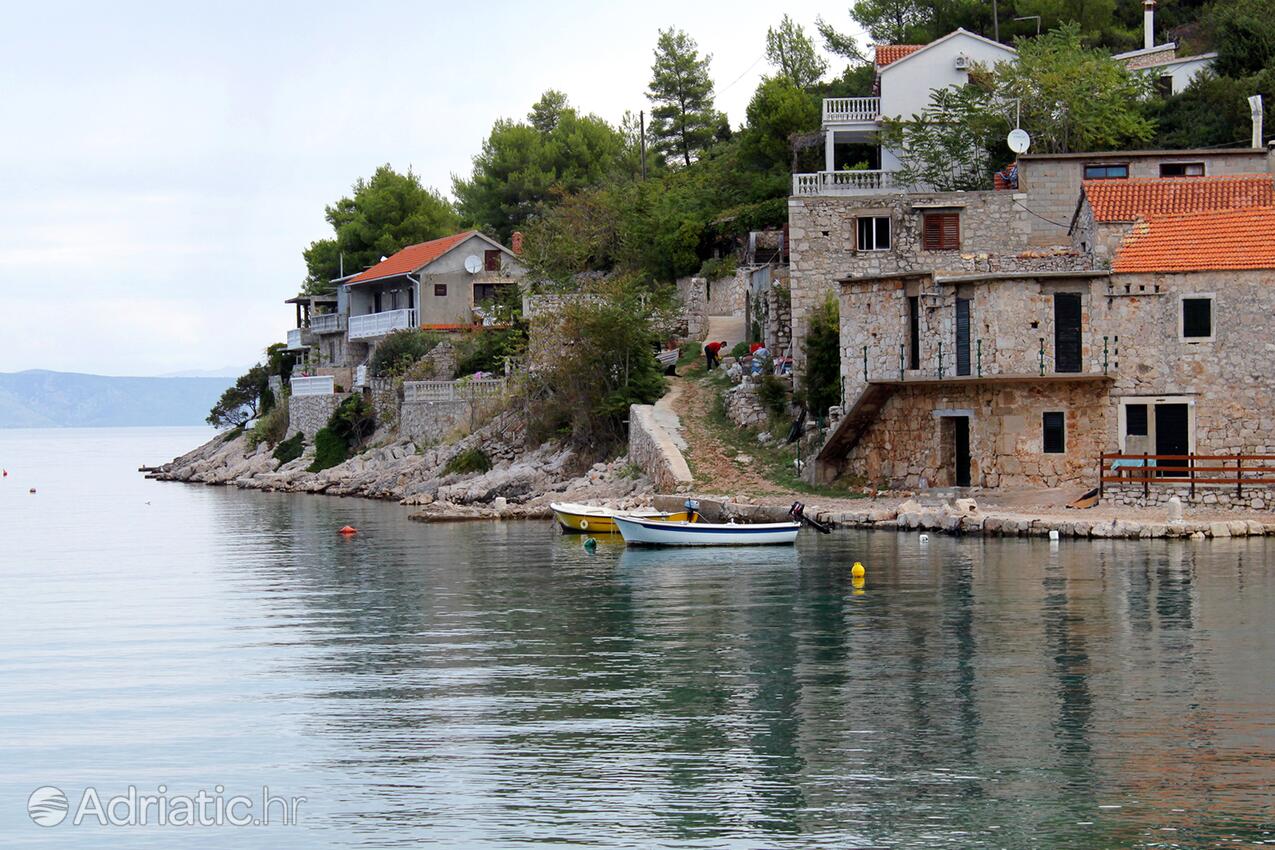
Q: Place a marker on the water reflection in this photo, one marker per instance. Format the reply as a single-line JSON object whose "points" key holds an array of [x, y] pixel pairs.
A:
{"points": [[494, 684]]}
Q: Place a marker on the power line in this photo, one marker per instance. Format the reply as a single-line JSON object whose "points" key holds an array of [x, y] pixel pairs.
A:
{"points": [[746, 70]]}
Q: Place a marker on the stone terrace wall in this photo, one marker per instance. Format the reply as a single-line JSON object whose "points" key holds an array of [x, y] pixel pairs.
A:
{"points": [[652, 448], [309, 413], [430, 421], [693, 292], [777, 334], [1255, 498], [995, 237]]}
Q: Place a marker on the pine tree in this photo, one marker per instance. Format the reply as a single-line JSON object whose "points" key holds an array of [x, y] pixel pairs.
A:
{"points": [[683, 120], [790, 50]]}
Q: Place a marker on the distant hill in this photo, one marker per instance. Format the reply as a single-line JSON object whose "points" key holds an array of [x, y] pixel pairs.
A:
{"points": [[41, 399]]}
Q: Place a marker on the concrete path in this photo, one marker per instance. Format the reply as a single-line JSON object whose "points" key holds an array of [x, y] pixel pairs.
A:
{"points": [[729, 328]]}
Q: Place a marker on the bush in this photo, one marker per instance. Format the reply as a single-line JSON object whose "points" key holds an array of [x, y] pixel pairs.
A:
{"points": [[271, 427], [329, 450], [718, 268], [739, 350], [486, 350], [400, 350], [470, 460], [821, 380], [773, 393], [290, 449]]}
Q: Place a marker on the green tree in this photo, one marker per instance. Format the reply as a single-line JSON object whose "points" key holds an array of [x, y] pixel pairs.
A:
{"points": [[523, 166], [821, 380], [684, 122], [779, 109], [896, 21], [955, 144], [241, 403], [1091, 17], [1244, 34], [1074, 98], [386, 213], [1213, 111], [789, 49]]}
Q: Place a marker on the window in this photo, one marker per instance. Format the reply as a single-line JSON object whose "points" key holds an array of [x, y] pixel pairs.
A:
{"points": [[1107, 172], [914, 332], [1054, 433], [941, 231], [1197, 317], [484, 292], [874, 233], [440, 290], [491, 260], [1135, 420], [1164, 85], [1181, 169]]}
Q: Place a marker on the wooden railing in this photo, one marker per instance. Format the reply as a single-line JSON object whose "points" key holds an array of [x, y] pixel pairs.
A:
{"points": [[851, 109], [1194, 470], [467, 389]]}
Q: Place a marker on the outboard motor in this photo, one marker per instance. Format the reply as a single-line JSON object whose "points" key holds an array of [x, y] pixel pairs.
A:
{"points": [[798, 513]]}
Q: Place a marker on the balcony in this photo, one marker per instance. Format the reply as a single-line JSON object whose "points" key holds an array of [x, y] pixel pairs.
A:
{"points": [[298, 339], [846, 110], [373, 325], [327, 323], [315, 385], [846, 183]]}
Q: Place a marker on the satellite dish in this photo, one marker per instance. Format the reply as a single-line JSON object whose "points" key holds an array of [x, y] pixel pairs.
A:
{"points": [[1019, 141], [473, 264]]}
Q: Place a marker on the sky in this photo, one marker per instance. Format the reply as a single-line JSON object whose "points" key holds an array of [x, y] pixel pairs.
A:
{"points": [[163, 165]]}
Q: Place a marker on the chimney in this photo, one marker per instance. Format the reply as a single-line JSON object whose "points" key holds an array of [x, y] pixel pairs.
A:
{"points": [[1148, 24], [515, 242], [1255, 109]]}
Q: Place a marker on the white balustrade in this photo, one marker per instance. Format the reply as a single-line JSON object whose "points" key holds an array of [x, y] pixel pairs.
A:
{"points": [[360, 375], [294, 339], [839, 109], [326, 323], [845, 183], [314, 385], [468, 389], [380, 324]]}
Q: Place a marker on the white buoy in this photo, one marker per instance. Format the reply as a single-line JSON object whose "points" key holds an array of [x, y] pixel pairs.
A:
{"points": [[925, 538], [1053, 534]]}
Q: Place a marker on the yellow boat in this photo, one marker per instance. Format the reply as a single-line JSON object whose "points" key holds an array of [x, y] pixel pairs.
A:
{"points": [[594, 519]]}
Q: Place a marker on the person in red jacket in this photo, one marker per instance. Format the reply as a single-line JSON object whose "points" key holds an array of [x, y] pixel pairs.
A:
{"points": [[712, 353]]}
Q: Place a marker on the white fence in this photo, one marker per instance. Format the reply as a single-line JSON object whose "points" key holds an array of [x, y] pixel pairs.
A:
{"points": [[851, 109], [360, 375], [315, 385], [469, 389], [845, 183], [327, 323], [380, 324]]}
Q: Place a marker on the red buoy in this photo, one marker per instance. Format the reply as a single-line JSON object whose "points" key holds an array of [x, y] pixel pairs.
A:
{"points": [[349, 529]]}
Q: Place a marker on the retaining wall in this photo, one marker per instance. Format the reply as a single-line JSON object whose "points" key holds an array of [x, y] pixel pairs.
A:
{"points": [[655, 451], [430, 421], [309, 413]]}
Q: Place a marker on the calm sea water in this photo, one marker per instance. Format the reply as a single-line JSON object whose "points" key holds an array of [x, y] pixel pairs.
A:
{"points": [[489, 685]]}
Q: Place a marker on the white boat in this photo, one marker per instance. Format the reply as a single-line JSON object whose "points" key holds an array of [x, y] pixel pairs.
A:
{"points": [[655, 532]]}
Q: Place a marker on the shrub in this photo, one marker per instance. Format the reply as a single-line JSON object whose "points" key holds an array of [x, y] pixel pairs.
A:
{"points": [[821, 380], [290, 449], [486, 350], [718, 268], [739, 350], [772, 393], [470, 460], [271, 427], [329, 450], [400, 350]]}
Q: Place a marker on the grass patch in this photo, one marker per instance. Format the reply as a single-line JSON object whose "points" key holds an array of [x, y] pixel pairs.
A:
{"points": [[290, 449], [470, 460]]}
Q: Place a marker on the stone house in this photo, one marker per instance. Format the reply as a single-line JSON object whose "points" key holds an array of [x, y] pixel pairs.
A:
{"points": [[1001, 379], [1171, 73]]}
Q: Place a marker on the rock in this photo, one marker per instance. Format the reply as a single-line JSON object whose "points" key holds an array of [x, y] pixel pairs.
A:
{"points": [[743, 458], [966, 507], [1239, 528], [1175, 509], [1220, 529], [764, 438]]}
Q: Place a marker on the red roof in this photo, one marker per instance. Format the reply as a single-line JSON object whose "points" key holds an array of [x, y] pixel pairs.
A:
{"points": [[1126, 200], [411, 258], [1218, 239], [887, 53]]}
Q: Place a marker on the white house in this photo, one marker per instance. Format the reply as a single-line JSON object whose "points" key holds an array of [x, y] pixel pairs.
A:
{"points": [[1172, 72], [905, 76]]}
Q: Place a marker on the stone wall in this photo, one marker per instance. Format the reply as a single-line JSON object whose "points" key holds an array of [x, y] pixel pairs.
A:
{"points": [[693, 293], [384, 399], [1254, 498], [995, 236], [653, 449], [743, 407], [309, 413], [725, 296], [910, 443], [430, 421], [777, 332]]}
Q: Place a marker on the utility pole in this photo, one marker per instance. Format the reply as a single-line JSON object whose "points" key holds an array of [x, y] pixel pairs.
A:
{"points": [[996, 23], [642, 138]]}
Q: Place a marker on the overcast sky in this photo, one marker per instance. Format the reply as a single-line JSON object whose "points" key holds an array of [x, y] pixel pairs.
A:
{"points": [[163, 165]]}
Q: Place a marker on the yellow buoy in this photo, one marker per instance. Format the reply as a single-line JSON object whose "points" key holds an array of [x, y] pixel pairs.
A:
{"points": [[857, 570], [857, 583]]}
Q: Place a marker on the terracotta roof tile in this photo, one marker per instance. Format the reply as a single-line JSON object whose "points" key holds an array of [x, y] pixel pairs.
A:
{"points": [[1126, 200], [1219, 239], [887, 53], [411, 258]]}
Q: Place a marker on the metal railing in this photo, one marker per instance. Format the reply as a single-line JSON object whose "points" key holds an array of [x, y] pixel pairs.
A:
{"points": [[326, 323], [1193, 470], [851, 109], [845, 183], [313, 385], [380, 324], [468, 389]]}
